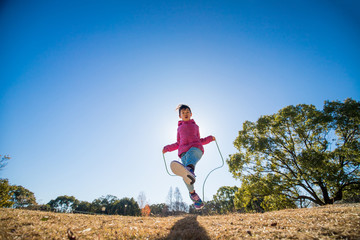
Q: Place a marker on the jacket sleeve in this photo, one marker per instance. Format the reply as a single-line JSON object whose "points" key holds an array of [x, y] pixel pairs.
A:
{"points": [[206, 140], [174, 146]]}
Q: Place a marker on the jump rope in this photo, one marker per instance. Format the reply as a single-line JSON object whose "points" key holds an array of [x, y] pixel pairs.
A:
{"points": [[203, 187]]}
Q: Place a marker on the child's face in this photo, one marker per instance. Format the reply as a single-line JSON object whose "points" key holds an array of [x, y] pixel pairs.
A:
{"points": [[185, 114]]}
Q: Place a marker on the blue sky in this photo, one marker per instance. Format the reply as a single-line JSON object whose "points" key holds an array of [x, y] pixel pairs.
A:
{"points": [[89, 88]]}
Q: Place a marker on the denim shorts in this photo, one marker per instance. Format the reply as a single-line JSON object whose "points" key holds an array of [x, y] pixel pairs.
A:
{"points": [[191, 157]]}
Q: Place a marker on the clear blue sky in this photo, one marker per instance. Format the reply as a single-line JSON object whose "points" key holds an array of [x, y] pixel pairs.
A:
{"points": [[89, 88]]}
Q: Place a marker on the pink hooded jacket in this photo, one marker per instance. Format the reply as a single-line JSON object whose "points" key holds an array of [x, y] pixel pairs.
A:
{"points": [[188, 136]]}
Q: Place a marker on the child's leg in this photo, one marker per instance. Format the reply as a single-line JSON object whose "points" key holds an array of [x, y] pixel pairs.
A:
{"points": [[190, 187], [190, 159]]}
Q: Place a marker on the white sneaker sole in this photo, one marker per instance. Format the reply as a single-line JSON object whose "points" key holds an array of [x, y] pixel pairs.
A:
{"points": [[180, 170], [201, 207]]}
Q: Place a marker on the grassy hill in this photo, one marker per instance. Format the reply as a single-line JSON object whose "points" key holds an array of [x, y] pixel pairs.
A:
{"points": [[328, 222]]}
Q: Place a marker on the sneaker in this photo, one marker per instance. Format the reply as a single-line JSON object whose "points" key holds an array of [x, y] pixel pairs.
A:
{"points": [[182, 171], [191, 170], [198, 203]]}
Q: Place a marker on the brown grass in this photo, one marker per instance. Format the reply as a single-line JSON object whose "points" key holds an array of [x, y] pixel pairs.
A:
{"points": [[329, 222]]}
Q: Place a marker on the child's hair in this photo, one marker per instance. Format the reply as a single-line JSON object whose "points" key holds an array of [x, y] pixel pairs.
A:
{"points": [[181, 107]]}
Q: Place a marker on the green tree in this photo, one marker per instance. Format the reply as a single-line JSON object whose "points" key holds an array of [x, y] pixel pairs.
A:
{"points": [[103, 204], [108, 200], [96, 206], [15, 196], [224, 199], [6, 192], [83, 206], [64, 203], [22, 197], [352, 195], [159, 209], [312, 154], [262, 193], [126, 207], [210, 208]]}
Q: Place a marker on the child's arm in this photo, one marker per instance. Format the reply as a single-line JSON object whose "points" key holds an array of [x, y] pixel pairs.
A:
{"points": [[207, 140], [172, 147]]}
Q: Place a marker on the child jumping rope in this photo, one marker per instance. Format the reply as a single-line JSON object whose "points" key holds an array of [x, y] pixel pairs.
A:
{"points": [[190, 150]]}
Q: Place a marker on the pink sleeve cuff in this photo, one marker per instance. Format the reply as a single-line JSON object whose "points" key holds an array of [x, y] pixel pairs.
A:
{"points": [[171, 147], [206, 140]]}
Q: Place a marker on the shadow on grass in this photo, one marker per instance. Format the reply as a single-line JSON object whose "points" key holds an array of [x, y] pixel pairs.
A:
{"points": [[188, 228]]}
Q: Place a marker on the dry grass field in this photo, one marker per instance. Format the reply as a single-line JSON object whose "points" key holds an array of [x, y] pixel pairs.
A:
{"points": [[328, 222]]}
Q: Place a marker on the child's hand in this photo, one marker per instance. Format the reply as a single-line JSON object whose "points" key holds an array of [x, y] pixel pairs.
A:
{"points": [[214, 138], [164, 150]]}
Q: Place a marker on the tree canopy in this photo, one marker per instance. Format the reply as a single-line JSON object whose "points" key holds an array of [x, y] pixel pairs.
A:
{"points": [[224, 199], [104, 205], [15, 196], [6, 192], [64, 203], [23, 197], [300, 153]]}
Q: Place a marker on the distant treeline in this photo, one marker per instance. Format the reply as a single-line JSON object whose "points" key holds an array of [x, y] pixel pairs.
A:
{"points": [[19, 197]]}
